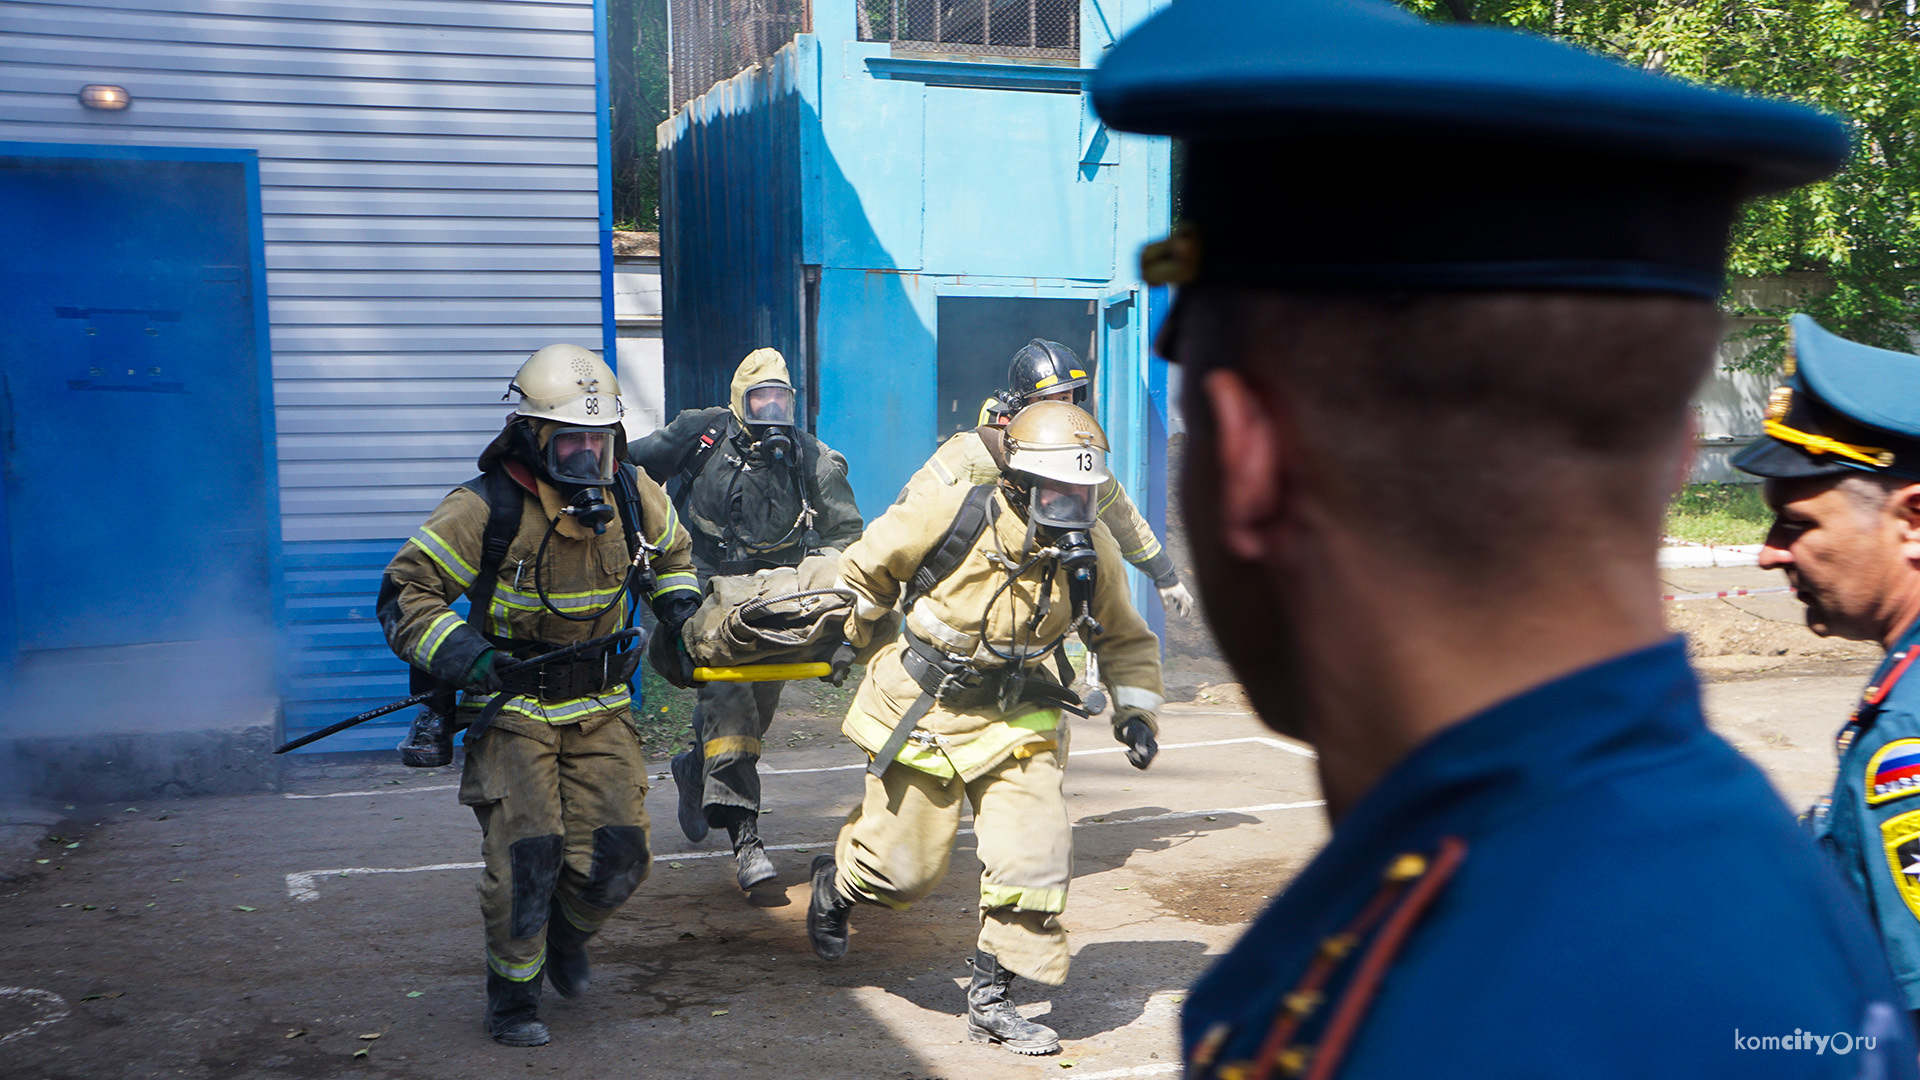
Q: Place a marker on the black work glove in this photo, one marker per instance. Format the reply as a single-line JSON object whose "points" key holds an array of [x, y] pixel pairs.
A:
{"points": [[484, 676], [668, 655], [1138, 737], [841, 662]]}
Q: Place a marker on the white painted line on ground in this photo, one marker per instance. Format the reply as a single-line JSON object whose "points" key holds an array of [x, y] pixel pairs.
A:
{"points": [[304, 885], [383, 791], [1163, 1069], [48, 1008], [1277, 744], [1263, 741]]}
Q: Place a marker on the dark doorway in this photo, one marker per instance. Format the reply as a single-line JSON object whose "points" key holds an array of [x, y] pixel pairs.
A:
{"points": [[978, 336]]}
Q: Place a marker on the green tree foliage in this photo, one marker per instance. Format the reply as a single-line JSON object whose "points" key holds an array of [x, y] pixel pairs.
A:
{"points": [[637, 36], [1858, 59]]}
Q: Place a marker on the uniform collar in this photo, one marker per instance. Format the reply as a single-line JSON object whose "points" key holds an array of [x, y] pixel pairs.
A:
{"points": [[1493, 767]]}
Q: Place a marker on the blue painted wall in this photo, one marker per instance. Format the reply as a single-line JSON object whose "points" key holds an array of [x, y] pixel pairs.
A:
{"points": [[916, 179]]}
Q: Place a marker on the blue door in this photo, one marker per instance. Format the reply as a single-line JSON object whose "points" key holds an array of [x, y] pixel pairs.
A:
{"points": [[138, 476]]}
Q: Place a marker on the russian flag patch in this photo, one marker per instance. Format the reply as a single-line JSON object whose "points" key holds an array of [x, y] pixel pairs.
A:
{"points": [[1894, 772]]}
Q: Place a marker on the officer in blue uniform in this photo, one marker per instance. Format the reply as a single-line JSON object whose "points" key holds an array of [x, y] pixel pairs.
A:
{"points": [[1841, 461], [1445, 295]]}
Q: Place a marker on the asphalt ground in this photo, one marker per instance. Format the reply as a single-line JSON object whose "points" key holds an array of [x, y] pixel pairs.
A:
{"points": [[331, 929]]}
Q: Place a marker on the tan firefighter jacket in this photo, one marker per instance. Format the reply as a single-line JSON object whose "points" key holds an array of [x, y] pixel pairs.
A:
{"points": [[438, 563], [964, 460], [954, 615]]}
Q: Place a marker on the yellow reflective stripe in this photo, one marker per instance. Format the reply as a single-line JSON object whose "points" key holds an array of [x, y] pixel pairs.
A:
{"points": [[444, 556], [526, 972], [866, 889], [1077, 373], [1037, 720], [1143, 552], [666, 534], [1820, 444], [1023, 897], [1027, 750], [559, 712], [575, 602], [990, 746], [437, 633], [678, 580], [1046, 382], [578, 922], [731, 744]]}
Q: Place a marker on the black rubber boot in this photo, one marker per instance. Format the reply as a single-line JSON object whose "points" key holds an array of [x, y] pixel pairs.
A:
{"points": [[689, 778], [511, 1011], [991, 1016], [429, 742], [567, 967], [827, 912], [749, 854]]}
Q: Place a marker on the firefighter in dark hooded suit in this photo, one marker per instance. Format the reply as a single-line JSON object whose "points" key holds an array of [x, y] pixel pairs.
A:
{"points": [[757, 493]]}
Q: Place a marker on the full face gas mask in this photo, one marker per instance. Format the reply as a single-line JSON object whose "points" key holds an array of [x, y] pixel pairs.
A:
{"points": [[770, 420], [581, 462]]}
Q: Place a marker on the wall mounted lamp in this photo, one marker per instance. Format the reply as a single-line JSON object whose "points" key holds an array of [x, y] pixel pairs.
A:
{"points": [[105, 98]]}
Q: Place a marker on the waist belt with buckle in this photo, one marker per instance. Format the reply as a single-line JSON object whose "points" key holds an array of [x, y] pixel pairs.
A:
{"points": [[960, 684], [563, 680]]}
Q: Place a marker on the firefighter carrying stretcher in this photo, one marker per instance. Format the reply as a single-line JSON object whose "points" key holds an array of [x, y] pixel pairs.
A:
{"points": [[965, 706]]}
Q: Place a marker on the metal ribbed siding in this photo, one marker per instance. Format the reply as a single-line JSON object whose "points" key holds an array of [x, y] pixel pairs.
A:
{"points": [[430, 194]]}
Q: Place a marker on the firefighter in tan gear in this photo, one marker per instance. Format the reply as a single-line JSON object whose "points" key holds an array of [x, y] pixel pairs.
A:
{"points": [[547, 544], [964, 707], [1048, 371]]}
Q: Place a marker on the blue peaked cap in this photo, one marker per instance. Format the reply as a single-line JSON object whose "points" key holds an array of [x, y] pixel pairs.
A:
{"points": [[1845, 407], [1349, 144]]}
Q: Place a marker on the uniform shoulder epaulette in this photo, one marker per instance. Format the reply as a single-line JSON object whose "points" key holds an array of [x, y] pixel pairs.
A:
{"points": [[1409, 886], [1878, 692]]}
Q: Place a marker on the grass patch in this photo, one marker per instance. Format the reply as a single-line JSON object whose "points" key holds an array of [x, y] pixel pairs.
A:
{"points": [[665, 718], [1723, 514]]}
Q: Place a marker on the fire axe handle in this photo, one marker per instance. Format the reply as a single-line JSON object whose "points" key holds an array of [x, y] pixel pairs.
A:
{"points": [[396, 706]]}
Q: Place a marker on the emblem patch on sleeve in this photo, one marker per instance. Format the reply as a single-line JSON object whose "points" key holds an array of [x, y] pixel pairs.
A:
{"points": [[1894, 772], [1901, 837]]}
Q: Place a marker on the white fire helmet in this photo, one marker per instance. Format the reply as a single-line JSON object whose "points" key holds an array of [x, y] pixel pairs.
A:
{"points": [[1060, 453], [569, 384]]}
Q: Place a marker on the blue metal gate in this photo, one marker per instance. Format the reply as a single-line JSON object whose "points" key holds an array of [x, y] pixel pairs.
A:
{"points": [[139, 504]]}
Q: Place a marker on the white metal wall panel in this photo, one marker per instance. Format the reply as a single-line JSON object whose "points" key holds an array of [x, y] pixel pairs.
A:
{"points": [[429, 184]]}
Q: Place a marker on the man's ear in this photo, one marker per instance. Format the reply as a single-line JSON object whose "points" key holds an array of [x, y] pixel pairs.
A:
{"points": [[1904, 504], [1246, 447]]}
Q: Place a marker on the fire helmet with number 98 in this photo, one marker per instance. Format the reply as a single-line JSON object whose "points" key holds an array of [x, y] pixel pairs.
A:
{"points": [[577, 392], [1057, 454]]}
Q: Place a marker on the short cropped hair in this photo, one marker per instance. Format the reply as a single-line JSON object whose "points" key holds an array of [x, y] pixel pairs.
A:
{"points": [[1450, 424]]}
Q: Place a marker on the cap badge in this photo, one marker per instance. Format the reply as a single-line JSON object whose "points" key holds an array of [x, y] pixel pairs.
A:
{"points": [[1779, 402], [1173, 261]]}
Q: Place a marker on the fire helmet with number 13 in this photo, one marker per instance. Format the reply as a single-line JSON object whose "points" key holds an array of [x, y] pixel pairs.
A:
{"points": [[575, 391], [1057, 457]]}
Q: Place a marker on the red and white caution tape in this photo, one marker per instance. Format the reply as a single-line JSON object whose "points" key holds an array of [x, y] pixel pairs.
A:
{"points": [[1724, 593]]}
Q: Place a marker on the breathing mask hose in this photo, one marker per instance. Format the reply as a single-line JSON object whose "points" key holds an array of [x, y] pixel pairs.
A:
{"points": [[540, 588], [733, 540]]}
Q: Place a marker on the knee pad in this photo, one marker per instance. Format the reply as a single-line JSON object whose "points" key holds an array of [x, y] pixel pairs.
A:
{"points": [[620, 863], [536, 871]]}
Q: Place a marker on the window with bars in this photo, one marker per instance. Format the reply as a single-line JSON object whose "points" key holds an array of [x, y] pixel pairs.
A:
{"points": [[1037, 29]]}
